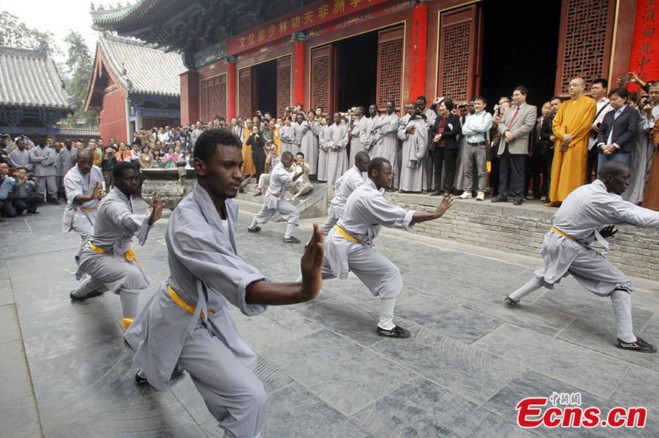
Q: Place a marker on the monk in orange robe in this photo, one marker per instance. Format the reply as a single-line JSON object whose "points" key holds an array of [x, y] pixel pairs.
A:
{"points": [[571, 128], [248, 163]]}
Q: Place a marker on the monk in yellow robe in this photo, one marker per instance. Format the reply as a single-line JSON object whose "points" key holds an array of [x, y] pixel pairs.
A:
{"points": [[571, 128], [248, 163]]}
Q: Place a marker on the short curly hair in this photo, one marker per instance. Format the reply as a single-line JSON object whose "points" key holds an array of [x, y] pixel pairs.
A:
{"points": [[208, 142]]}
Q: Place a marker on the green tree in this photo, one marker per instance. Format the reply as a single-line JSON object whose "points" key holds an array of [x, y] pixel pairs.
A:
{"points": [[14, 33], [79, 64]]}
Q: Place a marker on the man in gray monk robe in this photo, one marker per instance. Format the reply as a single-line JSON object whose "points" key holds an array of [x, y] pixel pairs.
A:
{"points": [[387, 143], [345, 185], [413, 131], [337, 157], [107, 257], [187, 322], [588, 214], [43, 157], [349, 244], [83, 184]]}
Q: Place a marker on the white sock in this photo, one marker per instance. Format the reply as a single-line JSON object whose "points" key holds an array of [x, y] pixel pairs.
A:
{"points": [[622, 309], [531, 286], [289, 230], [254, 224], [387, 313]]}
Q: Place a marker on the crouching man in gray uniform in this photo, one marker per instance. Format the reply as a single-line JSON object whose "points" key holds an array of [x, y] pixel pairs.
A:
{"points": [[187, 324], [350, 243], [588, 214]]}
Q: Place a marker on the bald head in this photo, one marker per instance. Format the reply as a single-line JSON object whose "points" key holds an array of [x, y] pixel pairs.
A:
{"points": [[84, 160], [576, 87], [361, 161], [616, 176]]}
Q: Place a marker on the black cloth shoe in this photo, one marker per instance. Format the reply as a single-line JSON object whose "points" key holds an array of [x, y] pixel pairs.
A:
{"points": [[396, 332], [254, 230], [517, 202], [291, 239], [141, 379], [510, 302], [436, 193], [92, 294], [499, 199], [640, 345]]}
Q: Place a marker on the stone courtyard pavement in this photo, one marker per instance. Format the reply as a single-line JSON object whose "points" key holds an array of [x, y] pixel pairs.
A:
{"points": [[66, 371]]}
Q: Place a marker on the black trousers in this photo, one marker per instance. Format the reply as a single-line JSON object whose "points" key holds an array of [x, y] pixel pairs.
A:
{"points": [[444, 158], [30, 204], [259, 163], [512, 169], [538, 174]]}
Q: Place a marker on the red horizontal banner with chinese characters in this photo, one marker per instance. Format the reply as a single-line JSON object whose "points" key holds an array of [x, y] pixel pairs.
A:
{"points": [[645, 44], [298, 21]]}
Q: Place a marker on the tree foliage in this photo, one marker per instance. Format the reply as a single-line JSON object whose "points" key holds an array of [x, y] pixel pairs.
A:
{"points": [[15, 33], [79, 63]]}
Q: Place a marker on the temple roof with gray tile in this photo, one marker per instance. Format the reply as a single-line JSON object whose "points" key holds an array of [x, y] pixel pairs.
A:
{"points": [[29, 79], [140, 68]]}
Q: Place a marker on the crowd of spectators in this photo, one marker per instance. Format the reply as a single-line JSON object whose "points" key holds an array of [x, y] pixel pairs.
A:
{"points": [[445, 147]]}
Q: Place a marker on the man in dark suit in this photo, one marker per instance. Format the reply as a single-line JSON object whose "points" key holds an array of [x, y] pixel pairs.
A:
{"points": [[617, 135], [515, 127], [444, 146]]}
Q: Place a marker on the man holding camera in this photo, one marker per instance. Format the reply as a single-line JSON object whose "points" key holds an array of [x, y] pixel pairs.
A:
{"points": [[24, 196]]}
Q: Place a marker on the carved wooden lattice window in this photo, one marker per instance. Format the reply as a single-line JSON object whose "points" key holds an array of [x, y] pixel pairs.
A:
{"points": [[458, 68], [245, 89], [283, 84], [585, 46], [390, 66], [455, 47], [322, 89], [213, 97]]}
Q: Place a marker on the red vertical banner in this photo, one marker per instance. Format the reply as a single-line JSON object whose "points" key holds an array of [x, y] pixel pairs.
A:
{"points": [[298, 72], [644, 58], [418, 47], [231, 90]]}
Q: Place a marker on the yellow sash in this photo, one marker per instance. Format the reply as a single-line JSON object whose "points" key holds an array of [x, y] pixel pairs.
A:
{"points": [[560, 233], [129, 255], [345, 235], [181, 303]]}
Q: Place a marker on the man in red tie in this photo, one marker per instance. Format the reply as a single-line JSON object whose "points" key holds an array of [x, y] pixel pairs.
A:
{"points": [[517, 124]]}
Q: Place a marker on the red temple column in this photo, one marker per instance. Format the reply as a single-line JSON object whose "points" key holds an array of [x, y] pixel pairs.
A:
{"points": [[231, 88], [644, 59], [298, 66], [418, 47]]}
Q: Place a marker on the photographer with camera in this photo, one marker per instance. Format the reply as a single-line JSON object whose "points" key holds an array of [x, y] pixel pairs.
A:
{"points": [[24, 196], [257, 144], [6, 189]]}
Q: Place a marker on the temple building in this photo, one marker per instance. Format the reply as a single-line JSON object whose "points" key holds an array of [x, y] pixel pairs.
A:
{"points": [[134, 86], [244, 55], [32, 95]]}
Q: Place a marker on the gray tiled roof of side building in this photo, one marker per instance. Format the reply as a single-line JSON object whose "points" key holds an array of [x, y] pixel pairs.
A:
{"points": [[29, 78], [141, 68]]}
